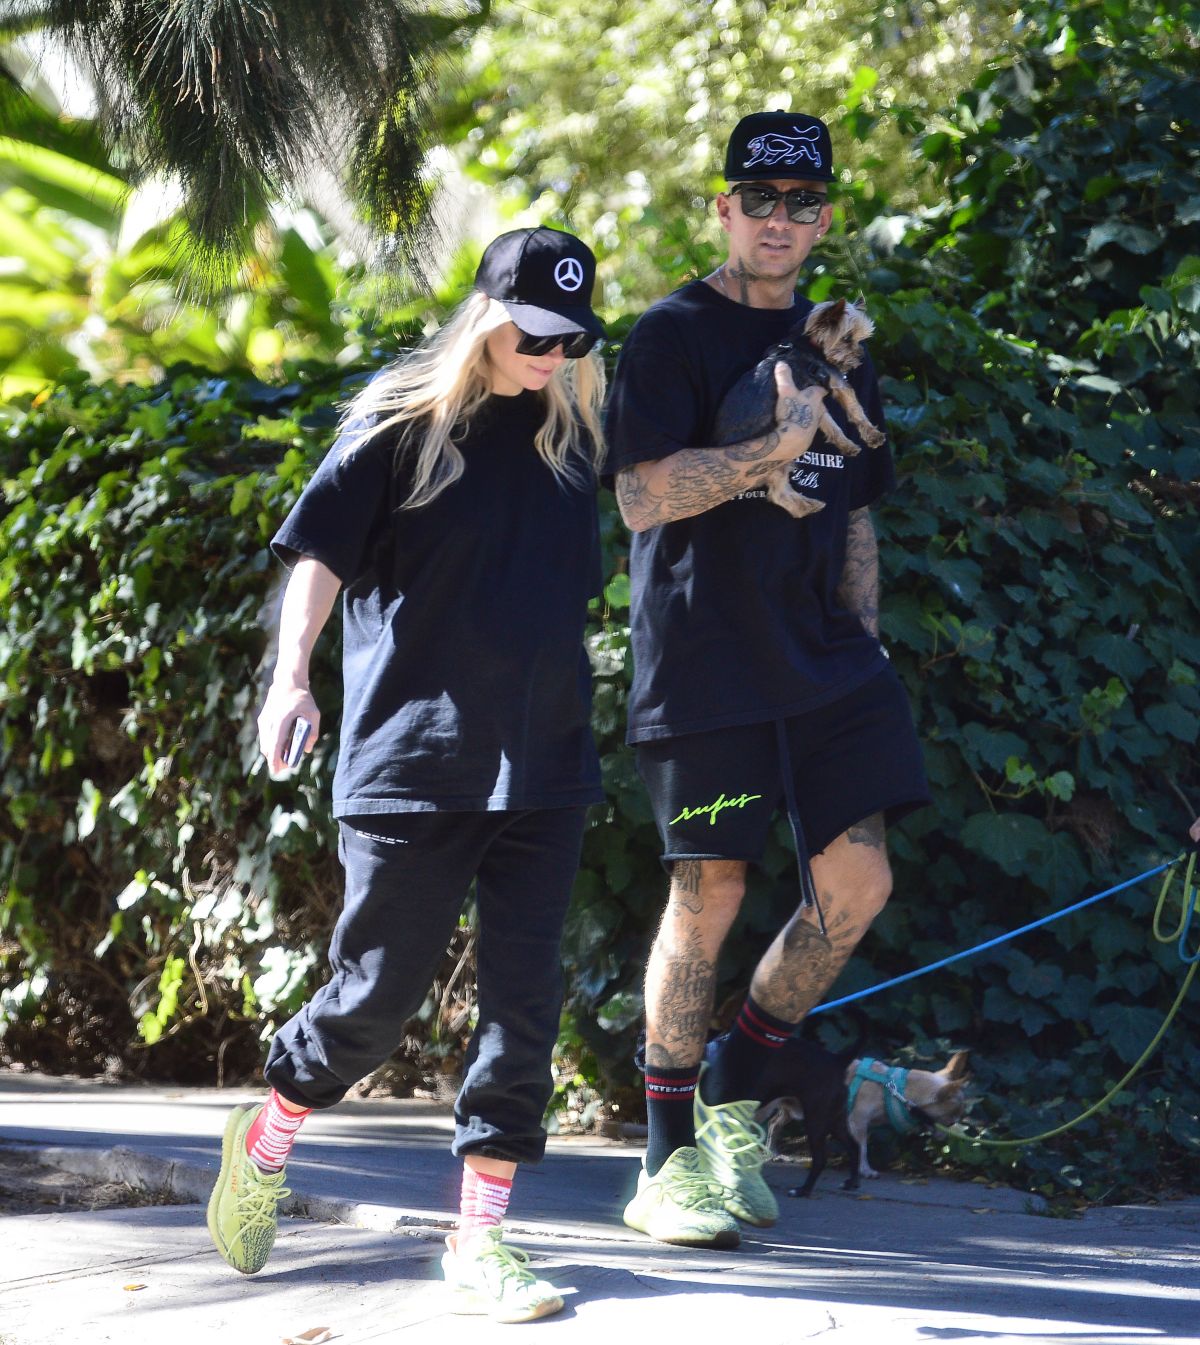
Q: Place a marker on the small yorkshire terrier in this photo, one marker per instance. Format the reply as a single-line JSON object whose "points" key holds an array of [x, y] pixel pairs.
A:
{"points": [[819, 351], [806, 1081]]}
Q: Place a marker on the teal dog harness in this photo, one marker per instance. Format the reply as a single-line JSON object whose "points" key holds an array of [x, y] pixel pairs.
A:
{"points": [[897, 1108]]}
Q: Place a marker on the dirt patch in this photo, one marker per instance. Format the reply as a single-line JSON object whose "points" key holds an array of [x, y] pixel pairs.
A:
{"points": [[28, 1187]]}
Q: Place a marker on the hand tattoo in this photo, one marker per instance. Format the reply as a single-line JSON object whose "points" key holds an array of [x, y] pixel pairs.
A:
{"points": [[795, 412]]}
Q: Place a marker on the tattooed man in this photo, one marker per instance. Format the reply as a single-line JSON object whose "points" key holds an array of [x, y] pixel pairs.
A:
{"points": [[759, 685]]}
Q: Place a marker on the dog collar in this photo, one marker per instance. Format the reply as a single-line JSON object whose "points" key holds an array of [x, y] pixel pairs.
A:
{"points": [[893, 1081]]}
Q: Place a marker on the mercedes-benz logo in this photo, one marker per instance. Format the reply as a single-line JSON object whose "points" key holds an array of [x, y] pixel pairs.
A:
{"points": [[569, 274]]}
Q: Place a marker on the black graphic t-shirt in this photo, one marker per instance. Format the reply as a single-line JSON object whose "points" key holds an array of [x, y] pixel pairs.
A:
{"points": [[736, 618], [467, 686]]}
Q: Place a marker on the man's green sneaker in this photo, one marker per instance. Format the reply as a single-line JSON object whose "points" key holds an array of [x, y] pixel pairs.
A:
{"points": [[486, 1277], [733, 1147], [680, 1204], [243, 1210]]}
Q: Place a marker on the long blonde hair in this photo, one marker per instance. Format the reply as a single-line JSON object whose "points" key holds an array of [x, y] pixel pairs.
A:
{"points": [[429, 396]]}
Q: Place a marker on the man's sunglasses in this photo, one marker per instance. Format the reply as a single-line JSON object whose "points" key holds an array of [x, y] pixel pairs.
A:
{"points": [[803, 207], [575, 345]]}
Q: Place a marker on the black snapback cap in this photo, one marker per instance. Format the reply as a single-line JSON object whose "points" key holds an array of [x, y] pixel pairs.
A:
{"points": [[544, 278], [780, 145]]}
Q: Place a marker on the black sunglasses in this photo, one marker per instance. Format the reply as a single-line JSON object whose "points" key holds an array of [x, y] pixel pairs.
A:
{"points": [[759, 202], [575, 345]]}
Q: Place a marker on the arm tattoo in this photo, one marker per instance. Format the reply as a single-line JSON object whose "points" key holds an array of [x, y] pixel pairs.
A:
{"points": [[859, 587], [695, 479]]}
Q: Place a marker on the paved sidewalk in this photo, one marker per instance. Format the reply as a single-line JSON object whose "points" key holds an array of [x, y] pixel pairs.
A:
{"points": [[905, 1261]]}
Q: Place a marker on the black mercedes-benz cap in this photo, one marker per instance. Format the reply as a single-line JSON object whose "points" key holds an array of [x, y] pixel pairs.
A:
{"points": [[780, 144], [544, 278]]}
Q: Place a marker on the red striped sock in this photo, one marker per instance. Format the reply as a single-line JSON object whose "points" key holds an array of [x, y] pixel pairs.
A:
{"points": [[763, 1027], [752, 1042], [484, 1202], [272, 1134], [669, 1094]]}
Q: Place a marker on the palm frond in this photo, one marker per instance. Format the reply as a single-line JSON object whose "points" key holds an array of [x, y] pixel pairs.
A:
{"points": [[243, 99]]}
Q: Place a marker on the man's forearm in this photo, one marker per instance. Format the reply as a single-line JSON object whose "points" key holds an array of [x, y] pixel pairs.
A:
{"points": [[695, 479], [691, 481], [858, 590]]}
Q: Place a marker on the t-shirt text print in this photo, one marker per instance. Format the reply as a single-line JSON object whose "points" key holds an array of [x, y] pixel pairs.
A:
{"points": [[805, 475]]}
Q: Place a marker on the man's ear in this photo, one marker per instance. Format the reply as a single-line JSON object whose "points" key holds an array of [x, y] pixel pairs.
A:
{"points": [[724, 208]]}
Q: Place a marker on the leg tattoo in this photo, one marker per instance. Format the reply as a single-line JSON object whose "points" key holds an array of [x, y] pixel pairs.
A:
{"points": [[681, 976], [685, 885], [680, 984], [867, 832]]}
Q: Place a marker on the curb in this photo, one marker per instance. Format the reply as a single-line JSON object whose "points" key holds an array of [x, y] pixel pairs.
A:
{"points": [[189, 1183]]}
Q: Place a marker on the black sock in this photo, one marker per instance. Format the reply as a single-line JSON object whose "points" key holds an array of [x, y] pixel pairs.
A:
{"points": [[733, 1076], [669, 1123]]}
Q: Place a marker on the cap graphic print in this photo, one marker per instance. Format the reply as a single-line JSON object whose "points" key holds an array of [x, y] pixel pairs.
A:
{"points": [[569, 274], [544, 278], [774, 147], [780, 145]]}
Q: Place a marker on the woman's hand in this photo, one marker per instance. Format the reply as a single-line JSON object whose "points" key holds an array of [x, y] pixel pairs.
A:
{"points": [[285, 703], [307, 602]]}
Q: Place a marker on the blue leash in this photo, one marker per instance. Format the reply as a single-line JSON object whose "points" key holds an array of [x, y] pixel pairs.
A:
{"points": [[1013, 933]]}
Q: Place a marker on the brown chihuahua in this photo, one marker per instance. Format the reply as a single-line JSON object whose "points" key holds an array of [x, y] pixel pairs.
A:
{"points": [[846, 1097]]}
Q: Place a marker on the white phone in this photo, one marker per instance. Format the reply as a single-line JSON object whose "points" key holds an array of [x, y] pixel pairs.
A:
{"points": [[301, 729]]}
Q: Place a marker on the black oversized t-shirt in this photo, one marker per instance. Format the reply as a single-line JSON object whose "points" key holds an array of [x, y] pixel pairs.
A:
{"points": [[736, 618], [466, 683]]}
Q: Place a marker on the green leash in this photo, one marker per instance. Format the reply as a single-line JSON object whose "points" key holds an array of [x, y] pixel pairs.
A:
{"points": [[1187, 907]]}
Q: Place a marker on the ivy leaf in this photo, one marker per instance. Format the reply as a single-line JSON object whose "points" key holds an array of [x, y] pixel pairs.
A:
{"points": [[1127, 1028], [1175, 720], [1060, 870], [621, 1011], [991, 746], [243, 494], [1038, 980], [1117, 653], [616, 592], [1010, 840], [1131, 237], [1098, 383]]}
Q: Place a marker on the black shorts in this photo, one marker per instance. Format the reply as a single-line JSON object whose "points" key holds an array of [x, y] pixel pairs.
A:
{"points": [[714, 793]]}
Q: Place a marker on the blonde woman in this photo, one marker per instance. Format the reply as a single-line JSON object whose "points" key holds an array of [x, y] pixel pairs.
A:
{"points": [[457, 512]]}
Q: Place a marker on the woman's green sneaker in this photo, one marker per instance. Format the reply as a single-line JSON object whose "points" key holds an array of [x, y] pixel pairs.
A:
{"points": [[243, 1210], [733, 1149], [486, 1277], [680, 1204]]}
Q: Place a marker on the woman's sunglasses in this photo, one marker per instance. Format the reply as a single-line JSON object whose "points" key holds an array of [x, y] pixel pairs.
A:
{"points": [[575, 345], [803, 207]]}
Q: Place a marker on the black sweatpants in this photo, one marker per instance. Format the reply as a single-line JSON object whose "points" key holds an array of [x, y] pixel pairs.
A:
{"points": [[407, 875]]}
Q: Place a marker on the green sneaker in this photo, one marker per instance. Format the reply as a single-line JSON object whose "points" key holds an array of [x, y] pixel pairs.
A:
{"points": [[679, 1204], [733, 1147], [243, 1210], [494, 1280]]}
